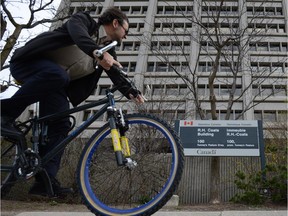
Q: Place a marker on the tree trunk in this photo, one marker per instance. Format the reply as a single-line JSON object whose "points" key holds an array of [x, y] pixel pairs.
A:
{"points": [[3, 26], [215, 162], [11, 41], [215, 196]]}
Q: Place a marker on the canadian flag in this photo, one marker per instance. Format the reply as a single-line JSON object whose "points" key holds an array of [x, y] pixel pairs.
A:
{"points": [[188, 123]]}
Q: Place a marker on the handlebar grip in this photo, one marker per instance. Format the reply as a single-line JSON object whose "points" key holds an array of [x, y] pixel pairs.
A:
{"points": [[99, 53]]}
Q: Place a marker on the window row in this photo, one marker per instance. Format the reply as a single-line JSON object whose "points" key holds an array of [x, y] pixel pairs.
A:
{"points": [[219, 90], [169, 115], [164, 67], [271, 46], [166, 26], [269, 90], [268, 67], [94, 10], [223, 67], [207, 46], [167, 89], [171, 45], [270, 115], [265, 11], [255, 67], [221, 114], [222, 28], [135, 28], [256, 28], [134, 9], [223, 10], [174, 10], [129, 66], [128, 46]]}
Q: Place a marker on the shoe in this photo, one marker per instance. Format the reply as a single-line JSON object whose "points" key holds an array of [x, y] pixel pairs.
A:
{"points": [[8, 128], [39, 188]]}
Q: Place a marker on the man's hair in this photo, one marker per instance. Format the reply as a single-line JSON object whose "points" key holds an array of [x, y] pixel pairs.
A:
{"points": [[110, 14]]}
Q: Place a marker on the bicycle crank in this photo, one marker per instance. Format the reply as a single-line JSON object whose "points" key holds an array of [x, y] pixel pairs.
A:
{"points": [[28, 164]]}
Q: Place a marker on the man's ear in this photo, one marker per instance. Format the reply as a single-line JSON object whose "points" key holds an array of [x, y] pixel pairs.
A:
{"points": [[115, 23]]}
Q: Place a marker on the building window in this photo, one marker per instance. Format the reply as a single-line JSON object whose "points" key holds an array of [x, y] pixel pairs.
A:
{"points": [[172, 90], [132, 67], [136, 46], [158, 90], [161, 67], [164, 45], [279, 11], [169, 10], [269, 116], [150, 67], [280, 90], [86, 114], [102, 89], [262, 47], [224, 67], [135, 10], [274, 47], [127, 46], [282, 115], [185, 67], [160, 10], [266, 91], [174, 66], [257, 115]]}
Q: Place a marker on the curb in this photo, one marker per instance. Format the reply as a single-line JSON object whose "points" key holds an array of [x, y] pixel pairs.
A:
{"points": [[169, 213]]}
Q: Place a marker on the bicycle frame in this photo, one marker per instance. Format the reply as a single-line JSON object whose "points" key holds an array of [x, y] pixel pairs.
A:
{"points": [[118, 139], [106, 102]]}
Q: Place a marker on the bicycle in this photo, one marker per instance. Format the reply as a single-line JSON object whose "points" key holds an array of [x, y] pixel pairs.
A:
{"points": [[130, 166]]}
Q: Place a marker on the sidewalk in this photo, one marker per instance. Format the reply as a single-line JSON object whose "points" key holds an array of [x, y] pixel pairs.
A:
{"points": [[170, 213]]}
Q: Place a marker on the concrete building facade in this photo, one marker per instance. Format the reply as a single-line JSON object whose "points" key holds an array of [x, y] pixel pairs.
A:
{"points": [[172, 47]]}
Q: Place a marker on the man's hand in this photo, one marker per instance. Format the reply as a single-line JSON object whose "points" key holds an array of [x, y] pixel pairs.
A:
{"points": [[139, 99], [107, 61]]}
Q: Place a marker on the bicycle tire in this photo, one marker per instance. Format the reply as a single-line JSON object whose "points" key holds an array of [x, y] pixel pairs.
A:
{"points": [[9, 152], [108, 189]]}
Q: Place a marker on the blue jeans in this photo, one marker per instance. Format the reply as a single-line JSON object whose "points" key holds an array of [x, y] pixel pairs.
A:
{"points": [[46, 82]]}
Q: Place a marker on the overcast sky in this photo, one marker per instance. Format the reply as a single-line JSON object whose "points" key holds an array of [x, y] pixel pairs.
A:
{"points": [[21, 13]]}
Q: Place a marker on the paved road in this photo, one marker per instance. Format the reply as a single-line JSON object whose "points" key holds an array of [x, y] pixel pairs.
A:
{"points": [[166, 213]]}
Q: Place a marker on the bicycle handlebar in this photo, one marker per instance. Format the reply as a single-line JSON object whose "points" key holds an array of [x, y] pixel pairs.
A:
{"points": [[124, 80]]}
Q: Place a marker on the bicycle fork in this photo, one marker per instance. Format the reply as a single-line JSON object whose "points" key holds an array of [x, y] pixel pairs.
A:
{"points": [[119, 140]]}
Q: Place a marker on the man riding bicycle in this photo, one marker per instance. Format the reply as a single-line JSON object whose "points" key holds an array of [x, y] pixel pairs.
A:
{"points": [[60, 65]]}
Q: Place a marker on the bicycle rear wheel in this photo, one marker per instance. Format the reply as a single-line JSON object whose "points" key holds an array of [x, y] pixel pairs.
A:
{"points": [[108, 189], [9, 151]]}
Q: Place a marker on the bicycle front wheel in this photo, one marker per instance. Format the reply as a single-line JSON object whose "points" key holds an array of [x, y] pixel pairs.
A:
{"points": [[109, 189]]}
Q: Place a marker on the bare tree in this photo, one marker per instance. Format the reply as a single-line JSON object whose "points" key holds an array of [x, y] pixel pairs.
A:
{"points": [[8, 15], [225, 40]]}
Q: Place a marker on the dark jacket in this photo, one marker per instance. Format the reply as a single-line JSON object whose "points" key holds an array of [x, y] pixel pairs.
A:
{"points": [[77, 30]]}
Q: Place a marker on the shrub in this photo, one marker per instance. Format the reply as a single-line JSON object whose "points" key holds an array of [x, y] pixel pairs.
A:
{"points": [[271, 183]]}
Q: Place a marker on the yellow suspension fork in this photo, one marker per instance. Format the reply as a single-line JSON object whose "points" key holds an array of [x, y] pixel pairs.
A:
{"points": [[123, 139], [120, 142]]}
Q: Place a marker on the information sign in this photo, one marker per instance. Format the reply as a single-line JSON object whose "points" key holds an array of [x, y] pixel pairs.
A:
{"points": [[220, 137]]}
